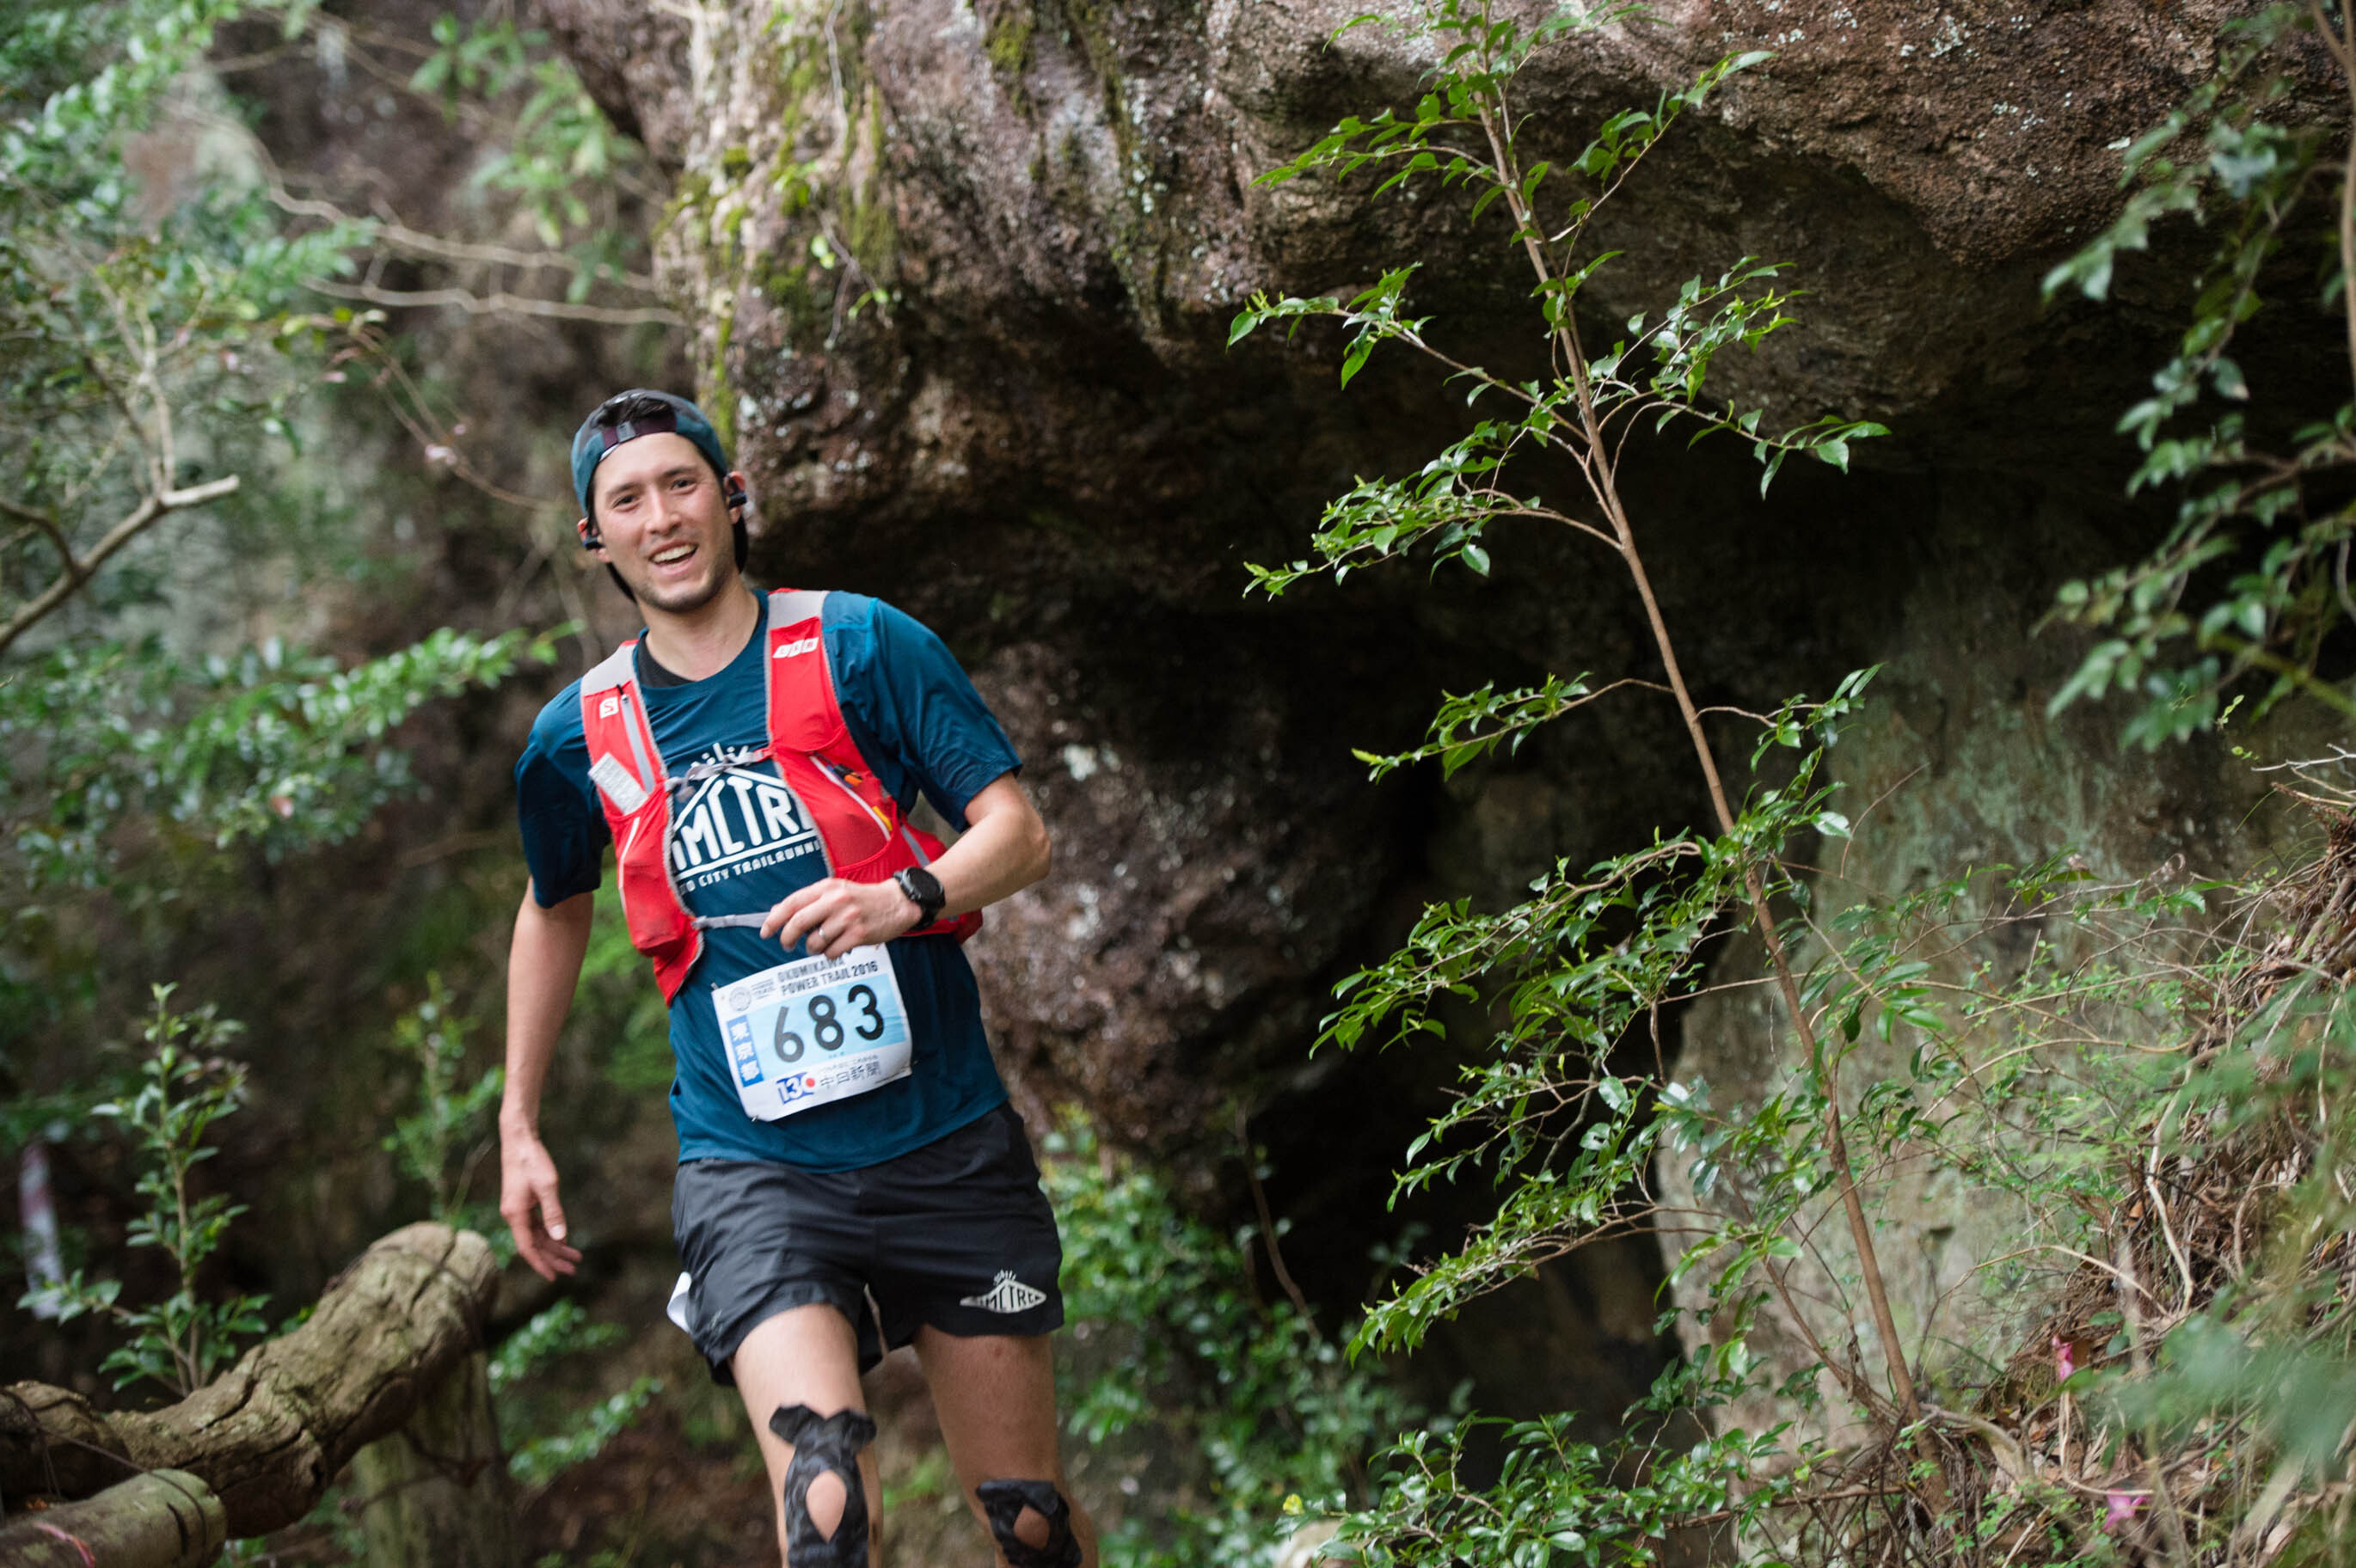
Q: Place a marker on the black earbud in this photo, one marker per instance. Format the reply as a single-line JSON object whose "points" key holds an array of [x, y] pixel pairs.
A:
{"points": [[734, 496]]}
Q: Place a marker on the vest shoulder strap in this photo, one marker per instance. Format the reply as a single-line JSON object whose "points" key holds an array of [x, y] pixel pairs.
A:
{"points": [[790, 606], [616, 668], [803, 715]]}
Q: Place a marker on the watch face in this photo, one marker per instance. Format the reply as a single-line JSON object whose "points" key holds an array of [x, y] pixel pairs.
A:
{"points": [[924, 890]]}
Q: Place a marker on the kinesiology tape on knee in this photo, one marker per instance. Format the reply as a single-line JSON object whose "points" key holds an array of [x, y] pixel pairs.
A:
{"points": [[825, 1445], [1003, 1503]]}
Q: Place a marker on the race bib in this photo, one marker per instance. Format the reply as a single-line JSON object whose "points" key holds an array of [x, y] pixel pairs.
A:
{"points": [[814, 1031]]}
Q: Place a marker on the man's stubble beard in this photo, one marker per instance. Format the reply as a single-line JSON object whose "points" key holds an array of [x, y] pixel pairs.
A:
{"points": [[688, 599]]}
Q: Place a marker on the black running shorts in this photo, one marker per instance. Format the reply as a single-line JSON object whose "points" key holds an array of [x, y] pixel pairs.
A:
{"points": [[957, 1234]]}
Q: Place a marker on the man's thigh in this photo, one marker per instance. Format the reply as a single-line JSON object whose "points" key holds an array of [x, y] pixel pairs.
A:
{"points": [[807, 1357], [995, 1397]]}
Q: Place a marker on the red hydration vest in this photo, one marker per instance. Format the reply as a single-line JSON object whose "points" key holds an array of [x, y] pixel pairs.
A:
{"points": [[861, 831]]}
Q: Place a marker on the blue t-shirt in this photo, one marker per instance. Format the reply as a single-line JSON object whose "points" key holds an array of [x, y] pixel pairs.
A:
{"points": [[923, 726]]}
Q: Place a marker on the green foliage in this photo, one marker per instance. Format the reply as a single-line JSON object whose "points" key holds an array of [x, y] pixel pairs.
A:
{"points": [[1255, 1389], [2153, 1098], [1558, 1502], [271, 746], [163, 352], [560, 155], [543, 1459], [152, 358], [551, 1333], [439, 1144], [1586, 959], [150, 348], [615, 1008], [184, 1086], [442, 1142], [2299, 1399], [1568, 1111], [2254, 575], [1472, 727], [542, 1443], [1463, 135], [544, 1440]]}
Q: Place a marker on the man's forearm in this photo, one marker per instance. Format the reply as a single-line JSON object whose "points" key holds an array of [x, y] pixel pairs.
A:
{"points": [[544, 965], [1003, 851]]}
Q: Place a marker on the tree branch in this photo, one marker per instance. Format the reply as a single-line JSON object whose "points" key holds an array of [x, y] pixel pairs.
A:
{"points": [[1604, 482], [81, 570], [167, 1518], [499, 303], [46, 523], [399, 236], [268, 1434]]}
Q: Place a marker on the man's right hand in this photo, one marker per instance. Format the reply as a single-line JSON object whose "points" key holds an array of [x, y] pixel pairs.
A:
{"points": [[527, 1202]]}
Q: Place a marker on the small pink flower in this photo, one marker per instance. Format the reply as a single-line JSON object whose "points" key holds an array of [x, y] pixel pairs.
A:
{"points": [[2121, 1509], [2065, 1360], [441, 456]]}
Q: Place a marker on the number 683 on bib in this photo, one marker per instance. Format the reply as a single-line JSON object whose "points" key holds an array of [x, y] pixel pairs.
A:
{"points": [[813, 1031]]}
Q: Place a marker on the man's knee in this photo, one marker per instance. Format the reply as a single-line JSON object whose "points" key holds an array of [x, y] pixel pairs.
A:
{"points": [[824, 1502], [1031, 1522]]}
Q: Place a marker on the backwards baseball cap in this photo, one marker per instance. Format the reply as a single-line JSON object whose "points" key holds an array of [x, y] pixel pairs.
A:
{"points": [[626, 416]]}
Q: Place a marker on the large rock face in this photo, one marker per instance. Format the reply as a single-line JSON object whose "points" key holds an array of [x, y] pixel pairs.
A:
{"points": [[961, 273]]}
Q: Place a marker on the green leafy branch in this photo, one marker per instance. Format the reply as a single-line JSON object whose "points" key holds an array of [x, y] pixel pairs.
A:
{"points": [[1469, 727], [1448, 505], [272, 745], [2228, 157], [1558, 1500], [184, 1087], [1518, 1107]]}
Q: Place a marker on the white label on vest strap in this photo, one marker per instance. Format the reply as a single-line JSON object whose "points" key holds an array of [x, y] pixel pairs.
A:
{"points": [[620, 785], [813, 1031]]}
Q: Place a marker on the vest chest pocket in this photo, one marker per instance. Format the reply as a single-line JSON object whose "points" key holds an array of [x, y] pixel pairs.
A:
{"points": [[618, 784]]}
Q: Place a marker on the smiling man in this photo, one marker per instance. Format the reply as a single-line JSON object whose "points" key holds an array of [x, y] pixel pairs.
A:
{"points": [[850, 1176]]}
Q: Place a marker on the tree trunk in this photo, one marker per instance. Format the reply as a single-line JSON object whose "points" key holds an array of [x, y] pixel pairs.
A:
{"points": [[434, 1493], [268, 1434], [166, 1518]]}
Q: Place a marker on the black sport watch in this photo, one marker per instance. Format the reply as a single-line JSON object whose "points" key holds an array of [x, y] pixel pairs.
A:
{"points": [[924, 891]]}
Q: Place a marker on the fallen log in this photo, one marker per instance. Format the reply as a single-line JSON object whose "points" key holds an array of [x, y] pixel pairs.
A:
{"points": [[268, 1436], [166, 1519]]}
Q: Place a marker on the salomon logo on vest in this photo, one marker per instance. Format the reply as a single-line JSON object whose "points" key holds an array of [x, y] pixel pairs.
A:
{"points": [[787, 650], [740, 821], [1009, 1295]]}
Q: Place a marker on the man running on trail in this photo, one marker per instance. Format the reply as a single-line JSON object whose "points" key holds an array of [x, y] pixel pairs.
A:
{"points": [[850, 1176]]}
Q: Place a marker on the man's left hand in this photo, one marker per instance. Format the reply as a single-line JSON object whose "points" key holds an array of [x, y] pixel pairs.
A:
{"points": [[832, 917]]}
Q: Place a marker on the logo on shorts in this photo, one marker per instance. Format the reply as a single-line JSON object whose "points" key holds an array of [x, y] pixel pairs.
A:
{"points": [[1009, 1295]]}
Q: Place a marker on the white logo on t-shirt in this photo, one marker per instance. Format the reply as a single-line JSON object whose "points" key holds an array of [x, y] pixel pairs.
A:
{"points": [[736, 822]]}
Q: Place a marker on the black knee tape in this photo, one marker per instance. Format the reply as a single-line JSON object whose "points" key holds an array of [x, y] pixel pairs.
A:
{"points": [[825, 1445], [1003, 1503]]}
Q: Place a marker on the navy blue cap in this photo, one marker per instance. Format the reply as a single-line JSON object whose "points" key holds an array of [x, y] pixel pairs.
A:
{"points": [[677, 416]]}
